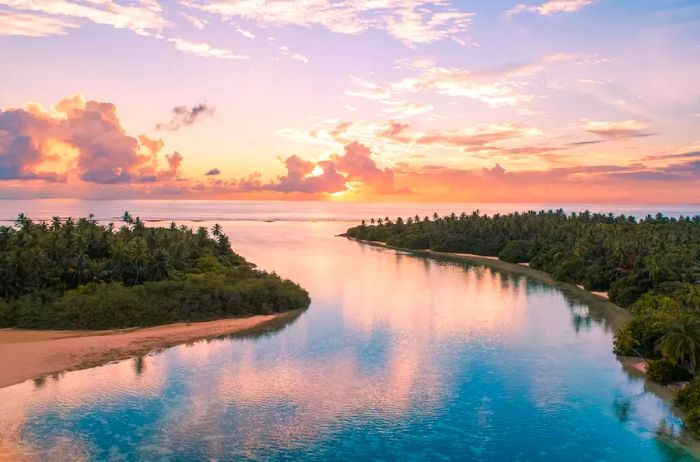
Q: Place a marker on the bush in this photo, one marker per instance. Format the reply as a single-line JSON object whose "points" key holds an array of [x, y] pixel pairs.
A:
{"points": [[692, 421], [664, 372], [7, 314], [644, 331], [688, 400], [628, 289], [688, 397], [518, 251], [196, 297]]}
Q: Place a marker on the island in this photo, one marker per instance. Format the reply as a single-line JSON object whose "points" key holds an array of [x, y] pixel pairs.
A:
{"points": [[91, 284], [650, 266]]}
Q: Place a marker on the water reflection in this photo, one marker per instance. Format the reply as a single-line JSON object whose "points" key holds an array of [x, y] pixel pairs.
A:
{"points": [[398, 357]]}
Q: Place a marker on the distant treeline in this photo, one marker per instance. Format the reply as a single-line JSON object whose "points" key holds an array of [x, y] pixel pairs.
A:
{"points": [[78, 274], [651, 266]]}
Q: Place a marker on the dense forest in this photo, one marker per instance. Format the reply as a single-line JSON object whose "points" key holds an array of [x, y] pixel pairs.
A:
{"points": [[79, 274], [651, 266]]}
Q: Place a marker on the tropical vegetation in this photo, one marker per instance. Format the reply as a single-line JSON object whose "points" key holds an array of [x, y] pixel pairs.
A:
{"points": [[650, 265], [80, 274]]}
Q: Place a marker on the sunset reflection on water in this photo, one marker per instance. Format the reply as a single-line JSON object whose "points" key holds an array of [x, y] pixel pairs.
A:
{"points": [[397, 354]]}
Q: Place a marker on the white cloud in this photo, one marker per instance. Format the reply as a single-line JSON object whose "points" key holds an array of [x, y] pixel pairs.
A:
{"points": [[400, 109], [551, 7], [411, 21], [295, 56], [32, 25], [245, 33], [195, 21], [498, 87], [143, 17], [204, 50]]}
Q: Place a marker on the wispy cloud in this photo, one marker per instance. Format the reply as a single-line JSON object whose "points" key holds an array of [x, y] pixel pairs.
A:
{"points": [[618, 130], [551, 7], [143, 17], [411, 21], [32, 25], [295, 56], [245, 33], [194, 20], [182, 116], [204, 50], [497, 87]]}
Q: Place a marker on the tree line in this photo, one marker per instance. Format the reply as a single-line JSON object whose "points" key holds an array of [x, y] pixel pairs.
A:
{"points": [[79, 274], [650, 266]]}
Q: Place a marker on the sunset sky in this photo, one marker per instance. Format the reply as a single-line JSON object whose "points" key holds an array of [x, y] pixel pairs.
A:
{"points": [[383, 100]]}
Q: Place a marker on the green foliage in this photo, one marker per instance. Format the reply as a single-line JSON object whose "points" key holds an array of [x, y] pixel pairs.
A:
{"points": [[680, 343], [688, 397], [603, 252], [516, 251], [665, 372], [692, 421], [82, 275]]}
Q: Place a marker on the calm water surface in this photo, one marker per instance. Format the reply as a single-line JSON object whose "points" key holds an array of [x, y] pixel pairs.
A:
{"points": [[398, 358]]}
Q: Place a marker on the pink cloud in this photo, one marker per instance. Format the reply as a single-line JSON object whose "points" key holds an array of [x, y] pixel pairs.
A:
{"points": [[106, 153]]}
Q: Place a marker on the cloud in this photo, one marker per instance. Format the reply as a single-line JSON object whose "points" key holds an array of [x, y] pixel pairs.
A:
{"points": [[497, 87], [245, 33], [305, 176], [618, 130], [470, 138], [204, 50], [581, 183], [295, 56], [142, 17], [353, 169], [194, 20], [32, 25], [477, 137], [213, 172], [184, 116], [393, 130], [402, 108], [551, 7], [357, 164], [105, 153], [411, 21]]}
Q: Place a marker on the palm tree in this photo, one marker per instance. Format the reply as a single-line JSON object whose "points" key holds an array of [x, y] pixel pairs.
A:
{"points": [[127, 218], [55, 223], [692, 298], [625, 341], [681, 343], [22, 222], [216, 230]]}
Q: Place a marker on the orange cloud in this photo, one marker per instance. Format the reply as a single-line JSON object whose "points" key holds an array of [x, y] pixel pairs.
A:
{"points": [[106, 153], [619, 130]]}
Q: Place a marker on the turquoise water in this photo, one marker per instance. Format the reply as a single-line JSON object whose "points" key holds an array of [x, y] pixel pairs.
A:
{"points": [[398, 358]]}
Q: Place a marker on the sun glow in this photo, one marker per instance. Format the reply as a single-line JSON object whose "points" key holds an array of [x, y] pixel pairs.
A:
{"points": [[317, 171]]}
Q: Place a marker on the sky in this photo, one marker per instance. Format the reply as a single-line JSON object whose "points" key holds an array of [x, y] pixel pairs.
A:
{"points": [[351, 100]]}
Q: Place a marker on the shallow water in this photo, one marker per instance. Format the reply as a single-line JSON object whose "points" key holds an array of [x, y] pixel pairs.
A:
{"points": [[398, 357]]}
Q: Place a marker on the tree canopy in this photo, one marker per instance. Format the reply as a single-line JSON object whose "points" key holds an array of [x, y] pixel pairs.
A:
{"points": [[73, 274]]}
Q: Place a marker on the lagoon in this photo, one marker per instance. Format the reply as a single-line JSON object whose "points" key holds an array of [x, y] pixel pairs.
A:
{"points": [[398, 357]]}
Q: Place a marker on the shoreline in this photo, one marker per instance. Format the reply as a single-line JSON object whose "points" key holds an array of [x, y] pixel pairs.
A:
{"points": [[598, 301], [32, 354]]}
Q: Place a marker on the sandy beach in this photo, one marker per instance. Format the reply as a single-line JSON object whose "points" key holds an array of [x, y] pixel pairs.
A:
{"points": [[28, 354]]}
